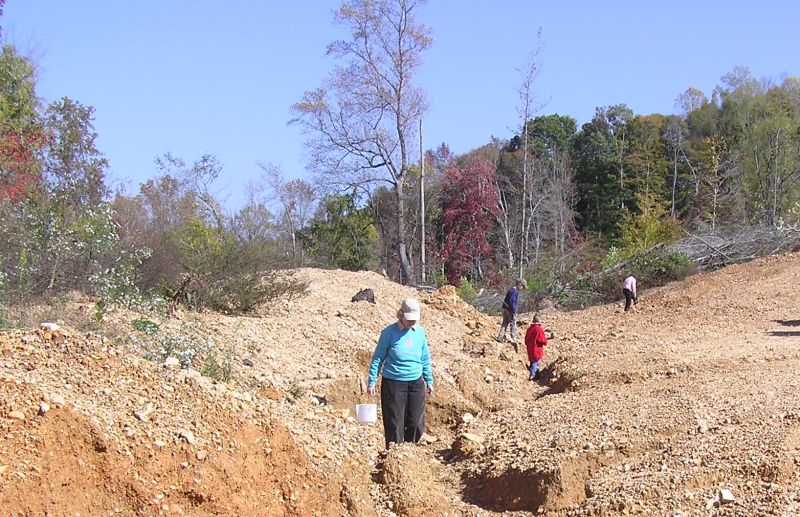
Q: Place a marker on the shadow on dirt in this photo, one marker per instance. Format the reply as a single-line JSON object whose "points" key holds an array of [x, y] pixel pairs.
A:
{"points": [[554, 379], [785, 333]]}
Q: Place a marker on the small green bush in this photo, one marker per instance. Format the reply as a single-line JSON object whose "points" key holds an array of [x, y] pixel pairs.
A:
{"points": [[466, 291], [214, 369], [295, 391], [145, 325]]}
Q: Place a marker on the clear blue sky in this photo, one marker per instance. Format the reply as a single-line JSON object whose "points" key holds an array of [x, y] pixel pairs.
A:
{"points": [[197, 76]]}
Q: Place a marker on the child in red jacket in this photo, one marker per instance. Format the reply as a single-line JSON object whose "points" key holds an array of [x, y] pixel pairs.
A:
{"points": [[535, 340]]}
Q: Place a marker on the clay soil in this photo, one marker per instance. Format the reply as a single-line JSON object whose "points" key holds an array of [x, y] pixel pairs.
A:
{"points": [[687, 405]]}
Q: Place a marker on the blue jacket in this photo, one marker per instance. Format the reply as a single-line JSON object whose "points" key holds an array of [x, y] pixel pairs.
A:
{"points": [[404, 355], [511, 302]]}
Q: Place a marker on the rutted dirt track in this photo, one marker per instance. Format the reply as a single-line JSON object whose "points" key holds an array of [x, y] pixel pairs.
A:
{"points": [[687, 406]]}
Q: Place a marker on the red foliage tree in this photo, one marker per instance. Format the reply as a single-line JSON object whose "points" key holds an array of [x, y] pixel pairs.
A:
{"points": [[19, 166], [469, 207]]}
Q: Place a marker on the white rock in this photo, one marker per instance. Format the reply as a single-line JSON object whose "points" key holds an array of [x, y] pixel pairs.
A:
{"points": [[50, 327], [188, 436], [44, 407], [144, 414], [467, 418], [427, 438], [472, 437], [172, 362], [57, 400], [16, 415], [726, 496]]}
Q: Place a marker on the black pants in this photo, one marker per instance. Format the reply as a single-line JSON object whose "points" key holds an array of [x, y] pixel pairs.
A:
{"points": [[628, 298], [403, 406]]}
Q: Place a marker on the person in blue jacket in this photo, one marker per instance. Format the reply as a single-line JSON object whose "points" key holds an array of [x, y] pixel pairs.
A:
{"points": [[510, 308], [403, 352]]}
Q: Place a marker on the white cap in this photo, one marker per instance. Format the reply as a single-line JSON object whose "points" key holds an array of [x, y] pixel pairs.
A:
{"points": [[410, 309]]}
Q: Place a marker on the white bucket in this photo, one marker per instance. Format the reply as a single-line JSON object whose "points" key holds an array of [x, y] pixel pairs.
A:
{"points": [[367, 413]]}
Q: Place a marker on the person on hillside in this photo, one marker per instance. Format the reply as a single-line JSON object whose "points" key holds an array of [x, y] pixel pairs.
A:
{"points": [[403, 352], [510, 308], [535, 341], [629, 291]]}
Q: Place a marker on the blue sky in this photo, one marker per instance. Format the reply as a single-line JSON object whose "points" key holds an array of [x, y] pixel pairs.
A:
{"points": [[195, 76]]}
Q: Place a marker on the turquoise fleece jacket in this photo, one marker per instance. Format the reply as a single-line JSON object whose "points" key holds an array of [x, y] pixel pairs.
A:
{"points": [[404, 355]]}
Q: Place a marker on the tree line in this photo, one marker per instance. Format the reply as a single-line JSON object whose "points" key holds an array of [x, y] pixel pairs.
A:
{"points": [[549, 203]]}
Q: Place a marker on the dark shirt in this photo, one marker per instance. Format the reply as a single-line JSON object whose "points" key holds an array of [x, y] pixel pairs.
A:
{"points": [[511, 302]]}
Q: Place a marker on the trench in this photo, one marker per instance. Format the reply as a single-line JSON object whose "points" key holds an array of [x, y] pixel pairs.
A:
{"points": [[530, 490]]}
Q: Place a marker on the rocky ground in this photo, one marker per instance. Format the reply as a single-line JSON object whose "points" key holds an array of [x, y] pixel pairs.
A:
{"points": [[686, 406]]}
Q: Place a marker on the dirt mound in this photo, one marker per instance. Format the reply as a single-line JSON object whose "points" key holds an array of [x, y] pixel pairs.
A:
{"points": [[667, 410], [76, 444]]}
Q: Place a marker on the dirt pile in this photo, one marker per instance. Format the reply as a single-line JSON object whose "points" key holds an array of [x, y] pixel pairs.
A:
{"points": [[688, 405]]}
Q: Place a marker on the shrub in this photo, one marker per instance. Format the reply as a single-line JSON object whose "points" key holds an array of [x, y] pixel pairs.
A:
{"points": [[6, 322], [214, 369], [158, 347], [116, 286], [652, 268], [295, 391], [466, 291], [145, 325]]}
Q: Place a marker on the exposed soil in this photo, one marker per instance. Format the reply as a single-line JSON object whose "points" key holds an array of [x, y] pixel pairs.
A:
{"points": [[688, 405]]}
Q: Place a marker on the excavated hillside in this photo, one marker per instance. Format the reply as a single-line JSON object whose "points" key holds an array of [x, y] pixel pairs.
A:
{"points": [[687, 405]]}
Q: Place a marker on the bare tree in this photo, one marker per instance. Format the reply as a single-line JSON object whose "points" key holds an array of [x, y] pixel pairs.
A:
{"points": [[526, 109], [675, 134], [362, 121], [296, 198]]}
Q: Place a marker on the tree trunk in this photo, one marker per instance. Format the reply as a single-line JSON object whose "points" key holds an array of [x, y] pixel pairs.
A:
{"points": [[402, 255]]}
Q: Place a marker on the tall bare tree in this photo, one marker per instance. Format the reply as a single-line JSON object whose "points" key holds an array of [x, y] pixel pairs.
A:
{"points": [[362, 121], [526, 110], [296, 198]]}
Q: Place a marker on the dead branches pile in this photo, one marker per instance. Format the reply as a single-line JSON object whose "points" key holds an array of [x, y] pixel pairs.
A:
{"points": [[737, 244]]}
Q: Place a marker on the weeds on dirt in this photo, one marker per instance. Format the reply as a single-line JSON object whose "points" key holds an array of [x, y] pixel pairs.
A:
{"points": [[295, 391], [214, 369], [157, 346], [145, 325]]}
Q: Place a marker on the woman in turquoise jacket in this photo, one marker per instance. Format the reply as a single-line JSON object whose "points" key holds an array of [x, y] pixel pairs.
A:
{"points": [[403, 352]]}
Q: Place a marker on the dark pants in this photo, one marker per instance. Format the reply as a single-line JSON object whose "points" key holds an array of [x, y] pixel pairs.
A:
{"points": [[403, 406], [628, 298]]}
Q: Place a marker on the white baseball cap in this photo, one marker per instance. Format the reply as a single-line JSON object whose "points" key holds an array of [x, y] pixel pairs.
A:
{"points": [[410, 309]]}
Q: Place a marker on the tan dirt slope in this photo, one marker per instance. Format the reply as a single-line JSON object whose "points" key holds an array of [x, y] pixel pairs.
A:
{"points": [[686, 406]]}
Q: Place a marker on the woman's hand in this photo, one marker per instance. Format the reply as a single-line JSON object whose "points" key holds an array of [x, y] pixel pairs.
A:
{"points": [[371, 391], [429, 389]]}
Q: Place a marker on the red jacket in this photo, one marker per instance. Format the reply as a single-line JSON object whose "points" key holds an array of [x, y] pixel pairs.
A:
{"points": [[535, 341]]}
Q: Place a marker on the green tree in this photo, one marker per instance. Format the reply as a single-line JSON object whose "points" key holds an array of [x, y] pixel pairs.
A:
{"points": [[650, 226], [600, 168], [342, 235], [74, 168]]}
